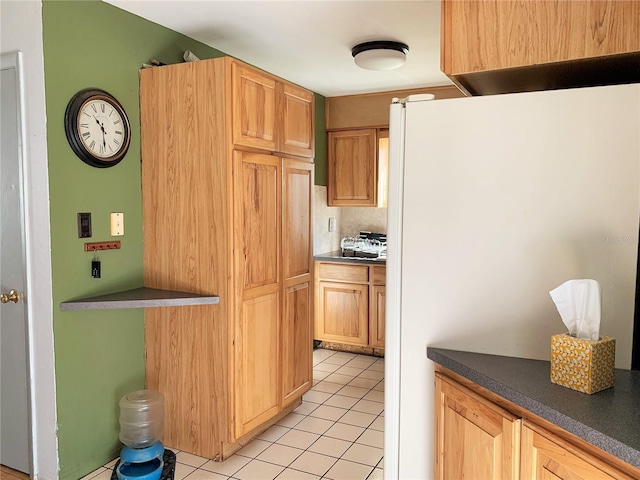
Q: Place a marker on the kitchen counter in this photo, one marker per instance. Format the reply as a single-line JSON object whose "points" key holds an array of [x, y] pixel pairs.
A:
{"points": [[336, 256], [609, 419]]}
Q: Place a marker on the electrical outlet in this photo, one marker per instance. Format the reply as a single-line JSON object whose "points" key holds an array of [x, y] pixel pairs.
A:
{"points": [[117, 224], [332, 224]]}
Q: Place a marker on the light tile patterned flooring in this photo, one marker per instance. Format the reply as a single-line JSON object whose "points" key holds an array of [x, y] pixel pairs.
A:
{"points": [[336, 433]]}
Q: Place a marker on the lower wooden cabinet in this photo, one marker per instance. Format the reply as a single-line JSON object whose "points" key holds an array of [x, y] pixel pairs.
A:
{"points": [[474, 437], [256, 363], [350, 304], [297, 341], [478, 439], [377, 315], [546, 456], [344, 313]]}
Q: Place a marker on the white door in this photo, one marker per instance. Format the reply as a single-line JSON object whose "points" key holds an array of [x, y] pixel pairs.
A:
{"points": [[14, 417]]}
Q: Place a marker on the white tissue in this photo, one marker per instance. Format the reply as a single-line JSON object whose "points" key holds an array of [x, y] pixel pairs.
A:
{"points": [[578, 302]]}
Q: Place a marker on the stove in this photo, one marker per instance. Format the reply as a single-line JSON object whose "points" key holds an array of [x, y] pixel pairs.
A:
{"points": [[359, 254], [365, 245]]}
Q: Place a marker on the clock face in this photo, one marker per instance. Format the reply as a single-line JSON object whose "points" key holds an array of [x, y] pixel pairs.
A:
{"points": [[101, 128], [97, 128]]}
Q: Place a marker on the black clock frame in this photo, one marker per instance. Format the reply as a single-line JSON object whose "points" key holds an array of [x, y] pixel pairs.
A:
{"points": [[72, 127]]}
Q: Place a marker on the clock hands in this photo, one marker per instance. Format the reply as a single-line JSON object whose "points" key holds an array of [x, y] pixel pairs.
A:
{"points": [[98, 122], [104, 142]]}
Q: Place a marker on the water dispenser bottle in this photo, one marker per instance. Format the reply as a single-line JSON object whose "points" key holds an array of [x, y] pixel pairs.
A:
{"points": [[141, 428]]}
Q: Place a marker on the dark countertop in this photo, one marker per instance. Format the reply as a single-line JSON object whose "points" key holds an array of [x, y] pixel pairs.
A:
{"points": [[337, 257], [609, 419]]}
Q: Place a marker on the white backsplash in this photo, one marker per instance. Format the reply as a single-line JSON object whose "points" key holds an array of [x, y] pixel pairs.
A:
{"points": [[357, 219], [349, 221], [323, 240]]}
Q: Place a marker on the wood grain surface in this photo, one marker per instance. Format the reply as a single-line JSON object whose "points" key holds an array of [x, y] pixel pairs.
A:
{"points": [[352, 168], [377, 315], [297, 131], [7, 473], [215, 223], [576, 446], [254, 108], [185, 225], [545, 456], [474, 437], [371, 110], [484, 35]]}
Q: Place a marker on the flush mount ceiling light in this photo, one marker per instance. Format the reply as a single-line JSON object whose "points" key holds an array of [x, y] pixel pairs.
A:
{"points": [[380, 55]]}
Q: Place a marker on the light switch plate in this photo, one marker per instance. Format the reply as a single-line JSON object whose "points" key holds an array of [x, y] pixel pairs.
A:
{"points": [[117, 224], [84, 225]]}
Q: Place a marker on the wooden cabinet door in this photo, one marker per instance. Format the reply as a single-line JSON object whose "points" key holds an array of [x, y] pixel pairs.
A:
{"points": [[376, 316], [474, 438], [257, 222], [297, 252], [297, 342], [296, 135], [342, 313], [254, 108], [352, 168], [544, 456]]}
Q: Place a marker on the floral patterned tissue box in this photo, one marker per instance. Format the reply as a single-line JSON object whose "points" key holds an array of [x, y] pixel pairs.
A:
{"points": [[584, 365]]}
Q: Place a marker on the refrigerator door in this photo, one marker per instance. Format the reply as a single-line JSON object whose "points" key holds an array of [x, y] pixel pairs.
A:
{"points": [[393, 290], [397, 114], [502, 199]]}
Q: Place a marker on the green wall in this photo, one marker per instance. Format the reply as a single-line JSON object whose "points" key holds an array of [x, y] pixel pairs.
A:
{"points": [[99, 354]]}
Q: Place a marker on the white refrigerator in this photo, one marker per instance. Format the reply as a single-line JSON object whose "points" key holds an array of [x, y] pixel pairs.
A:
{"points": [[493, 202]]}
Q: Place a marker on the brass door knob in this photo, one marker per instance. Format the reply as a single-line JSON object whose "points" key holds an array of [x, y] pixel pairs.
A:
{"points": [[12, 296]]}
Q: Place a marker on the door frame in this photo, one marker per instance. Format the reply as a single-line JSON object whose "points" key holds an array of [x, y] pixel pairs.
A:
{"points": [[34, 193]]}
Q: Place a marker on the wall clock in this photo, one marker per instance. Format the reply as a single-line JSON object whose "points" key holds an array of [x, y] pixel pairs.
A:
{"points": [[97, 128]]}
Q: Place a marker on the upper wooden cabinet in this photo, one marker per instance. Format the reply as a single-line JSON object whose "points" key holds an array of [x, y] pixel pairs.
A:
{"points": [[271, 114], [480, 36], [226, 212], [358, 145], [297, 116], [352, 168], [254, 108]]}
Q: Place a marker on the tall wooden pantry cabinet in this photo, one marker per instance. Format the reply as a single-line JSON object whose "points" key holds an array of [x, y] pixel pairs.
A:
{"points": [[227, 182]]}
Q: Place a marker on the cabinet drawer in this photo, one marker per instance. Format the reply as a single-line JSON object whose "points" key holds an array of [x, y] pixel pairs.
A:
{"points": [[379, 276], [344, 273]]}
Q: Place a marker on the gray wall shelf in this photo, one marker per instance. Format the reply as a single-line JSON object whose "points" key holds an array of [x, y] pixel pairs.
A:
{"points": [[140, 298]]}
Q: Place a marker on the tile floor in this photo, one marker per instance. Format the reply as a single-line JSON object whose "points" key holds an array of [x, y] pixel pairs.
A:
{"points": [[336, 433]]}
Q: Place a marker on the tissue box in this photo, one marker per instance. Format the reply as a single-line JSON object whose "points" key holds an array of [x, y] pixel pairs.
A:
{"points": [[584, 365]]}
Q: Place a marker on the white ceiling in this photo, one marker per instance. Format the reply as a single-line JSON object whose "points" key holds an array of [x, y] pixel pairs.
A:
{"points": [[309, 42]]}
